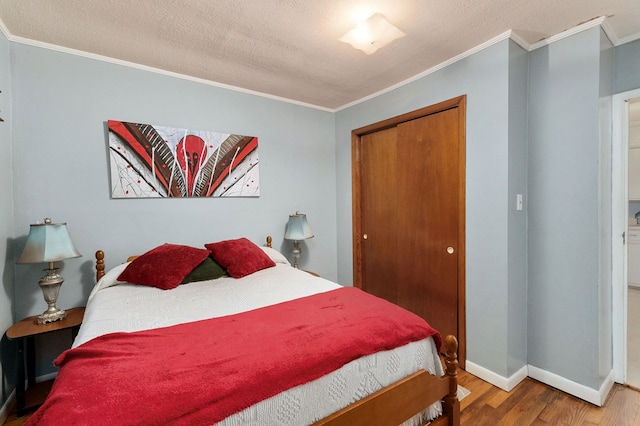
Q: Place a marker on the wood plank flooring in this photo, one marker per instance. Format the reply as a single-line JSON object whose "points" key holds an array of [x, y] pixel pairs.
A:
{"points": [[534, 403], [530, 403]]}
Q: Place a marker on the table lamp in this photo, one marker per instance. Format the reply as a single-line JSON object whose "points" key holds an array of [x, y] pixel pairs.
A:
{"points": [[297, 229], [49, 242]]}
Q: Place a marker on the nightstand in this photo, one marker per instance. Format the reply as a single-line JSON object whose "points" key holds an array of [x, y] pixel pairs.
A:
{"points": [[24, 332]]}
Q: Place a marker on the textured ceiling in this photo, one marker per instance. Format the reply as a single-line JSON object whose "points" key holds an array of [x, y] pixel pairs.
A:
{"points": [[290, 48]]}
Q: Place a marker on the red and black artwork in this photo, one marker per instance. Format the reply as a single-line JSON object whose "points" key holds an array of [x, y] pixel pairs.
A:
{"points": [[157, 161]]}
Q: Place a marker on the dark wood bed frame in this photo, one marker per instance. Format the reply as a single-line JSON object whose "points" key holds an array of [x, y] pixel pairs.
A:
{"points": [[397, 402]]}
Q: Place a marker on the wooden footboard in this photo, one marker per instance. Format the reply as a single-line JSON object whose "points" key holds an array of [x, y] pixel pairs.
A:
{"points": [[402, 400]]}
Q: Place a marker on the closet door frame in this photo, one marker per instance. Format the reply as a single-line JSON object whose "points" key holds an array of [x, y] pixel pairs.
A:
{"points": [[357, 231]]}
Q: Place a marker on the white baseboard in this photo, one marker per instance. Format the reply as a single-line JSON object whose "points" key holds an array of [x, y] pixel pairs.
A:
{"points": [[596, 397], [4, 410], [503, 383], [606, 387], [46, 377]]}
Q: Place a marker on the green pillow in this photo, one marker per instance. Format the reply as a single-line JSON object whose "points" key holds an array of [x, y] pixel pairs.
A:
{"points": [[209, 269]]}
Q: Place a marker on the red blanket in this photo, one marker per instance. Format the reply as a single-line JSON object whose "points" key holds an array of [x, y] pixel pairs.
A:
{"points": [[201, 372]]}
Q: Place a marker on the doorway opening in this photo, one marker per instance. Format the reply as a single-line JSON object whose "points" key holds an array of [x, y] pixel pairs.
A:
{"points": [[626, 237], [633, 244]]}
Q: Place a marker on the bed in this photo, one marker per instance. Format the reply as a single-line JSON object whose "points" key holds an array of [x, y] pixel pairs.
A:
{"points": [[257, 342]]}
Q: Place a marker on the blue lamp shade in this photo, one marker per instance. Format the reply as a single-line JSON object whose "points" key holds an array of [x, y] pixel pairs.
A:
{"points": [[298, 228], [48, 242]]}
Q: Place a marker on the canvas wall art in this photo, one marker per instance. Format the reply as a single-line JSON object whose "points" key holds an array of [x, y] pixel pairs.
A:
{"points": [[147, 160]]}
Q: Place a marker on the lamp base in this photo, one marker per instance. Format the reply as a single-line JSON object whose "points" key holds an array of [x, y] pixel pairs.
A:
{"points": [[47, 316], [296, 254], [50, 286]]}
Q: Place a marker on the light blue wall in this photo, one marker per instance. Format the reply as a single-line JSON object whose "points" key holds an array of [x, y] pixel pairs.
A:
{"points": [[627, 67], [6, 217], [517, 219], [61, 167], [605, 317], [484, 78], [564, 208]]}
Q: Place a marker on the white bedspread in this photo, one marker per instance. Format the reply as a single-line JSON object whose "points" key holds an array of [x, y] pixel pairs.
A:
{"points": [[114, 306]]}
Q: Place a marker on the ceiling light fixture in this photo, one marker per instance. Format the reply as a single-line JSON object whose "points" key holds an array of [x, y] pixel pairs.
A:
{"points": [[372, 34]]}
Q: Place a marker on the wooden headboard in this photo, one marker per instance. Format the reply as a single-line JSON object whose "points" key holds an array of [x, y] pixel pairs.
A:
{"points": [[100, 260]]}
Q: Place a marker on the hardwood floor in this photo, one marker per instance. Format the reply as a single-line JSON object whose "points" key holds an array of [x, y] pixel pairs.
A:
{"points": [[530, 403], [12, 420], [534, 403]]}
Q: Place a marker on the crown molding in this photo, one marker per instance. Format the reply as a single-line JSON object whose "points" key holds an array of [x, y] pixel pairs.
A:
{"points": [[5, 30], [515, 37], [628, 39], [568, 33], [134, 65], [608, 30]]}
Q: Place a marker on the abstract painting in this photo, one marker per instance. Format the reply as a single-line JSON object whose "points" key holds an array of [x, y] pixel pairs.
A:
{"points": [[156, 161]]}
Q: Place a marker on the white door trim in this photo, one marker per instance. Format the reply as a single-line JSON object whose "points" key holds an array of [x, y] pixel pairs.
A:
{"points": [[619, 213]]}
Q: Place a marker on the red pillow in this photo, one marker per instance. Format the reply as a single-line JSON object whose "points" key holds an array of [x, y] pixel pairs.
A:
{"points": [[239, 257], [164, 266]]}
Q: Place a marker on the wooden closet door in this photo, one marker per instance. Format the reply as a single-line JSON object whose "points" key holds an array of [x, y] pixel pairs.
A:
{"points": [[427, 224], [409, 214], [380, 213]]}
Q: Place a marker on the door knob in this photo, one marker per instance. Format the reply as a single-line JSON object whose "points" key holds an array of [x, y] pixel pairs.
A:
{"points": [[365, 236], [450, 250]]}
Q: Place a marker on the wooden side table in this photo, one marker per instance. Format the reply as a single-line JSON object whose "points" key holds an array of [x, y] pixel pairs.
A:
{"points": [[24, 332]]}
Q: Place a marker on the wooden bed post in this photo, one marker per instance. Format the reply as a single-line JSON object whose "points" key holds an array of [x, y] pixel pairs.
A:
{"points": [[99, 265], [451, 405]]}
